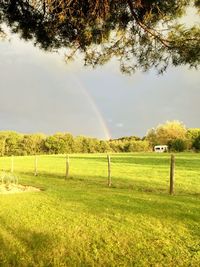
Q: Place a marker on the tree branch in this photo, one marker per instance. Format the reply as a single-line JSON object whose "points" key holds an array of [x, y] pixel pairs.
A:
{"points": [[152, 32]]}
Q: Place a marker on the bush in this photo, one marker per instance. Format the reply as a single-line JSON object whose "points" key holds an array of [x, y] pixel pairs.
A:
{"points": [[196, 143], [8, 178], [137, 146], [177, 145]]}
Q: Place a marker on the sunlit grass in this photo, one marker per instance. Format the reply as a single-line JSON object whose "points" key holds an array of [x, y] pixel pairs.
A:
{"points": [[82, 222]]}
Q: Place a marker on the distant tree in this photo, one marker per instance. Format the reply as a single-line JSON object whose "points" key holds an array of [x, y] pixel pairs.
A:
{"points": [[78, 144], [91, 145], [177, 145], [33, 144], [117, 145], [128, 138], [104, 146], [174, 134], [141, 34], [152, 137], [196, 143], [192, 133], [13, 143], [69, 142], [137, 146], [165, 133], [52, 145], [2, 144], [59, 143]]}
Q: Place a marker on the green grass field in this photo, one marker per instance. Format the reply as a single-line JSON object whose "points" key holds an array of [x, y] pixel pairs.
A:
{"points": [[82, 222]]}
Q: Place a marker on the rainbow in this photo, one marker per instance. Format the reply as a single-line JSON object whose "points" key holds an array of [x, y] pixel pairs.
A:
{"points": [[95, 108]]}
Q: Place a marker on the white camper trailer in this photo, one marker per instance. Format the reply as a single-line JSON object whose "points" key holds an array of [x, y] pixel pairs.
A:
{"points": [[161, 148]]}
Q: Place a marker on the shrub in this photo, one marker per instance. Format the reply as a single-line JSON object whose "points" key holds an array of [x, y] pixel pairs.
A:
{"points": [[137, 146], [196, 143], [8, 178], [178, 145]]}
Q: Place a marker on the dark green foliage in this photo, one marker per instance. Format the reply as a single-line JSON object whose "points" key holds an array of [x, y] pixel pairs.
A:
{"points": [[167, 133], [33, 144], [104, 146], [175, 135], [10, 143], [59, 143], [128, 138], [177, 145], [196, 143], [2, 145], [141, 34], [137, 146], [193, 133], [13, 143]]}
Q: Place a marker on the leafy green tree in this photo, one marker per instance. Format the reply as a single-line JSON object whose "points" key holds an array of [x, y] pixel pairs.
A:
{"points": [[152, 137], [196, 143], [13, 144], [68, 140], [177, 145], [33, 144], [54, 145], [59, 143], [93, 145], [2, 144], [141, 34], [137, 146], [104, 146], [174, 134], [51, 145], [128, 138], [117, 145], [167, 132], [78, 144], [193, 133], [88, 145]]}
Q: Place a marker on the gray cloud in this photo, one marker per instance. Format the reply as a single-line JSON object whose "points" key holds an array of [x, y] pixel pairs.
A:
{"points": [[40, 93]]}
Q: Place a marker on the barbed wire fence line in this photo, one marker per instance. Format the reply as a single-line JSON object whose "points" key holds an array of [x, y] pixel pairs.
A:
{"points": [[108, 168]]}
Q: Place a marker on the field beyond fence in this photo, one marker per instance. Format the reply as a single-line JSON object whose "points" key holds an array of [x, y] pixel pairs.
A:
{"points": [[78, 220], [147, 171]]}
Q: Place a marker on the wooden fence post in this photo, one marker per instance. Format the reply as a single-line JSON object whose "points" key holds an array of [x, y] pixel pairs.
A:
{"points": [[36, 165], [172, 167], [12, 165], [109, 171], [67, 167]]}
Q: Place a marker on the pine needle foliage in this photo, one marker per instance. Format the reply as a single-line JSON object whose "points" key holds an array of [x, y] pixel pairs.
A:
{"points": [[141, 34]]}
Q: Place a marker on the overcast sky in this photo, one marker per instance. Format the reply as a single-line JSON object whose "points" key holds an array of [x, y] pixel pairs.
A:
{"points": [[39, 92]]}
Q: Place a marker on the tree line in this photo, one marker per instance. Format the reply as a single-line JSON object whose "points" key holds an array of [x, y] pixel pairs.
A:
{"points": [[174, 134]]}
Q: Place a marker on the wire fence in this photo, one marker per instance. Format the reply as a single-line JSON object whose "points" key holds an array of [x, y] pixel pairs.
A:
{"points": [[141, 171]]}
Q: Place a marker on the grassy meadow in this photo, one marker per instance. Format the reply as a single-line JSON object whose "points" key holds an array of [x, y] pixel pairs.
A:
{"points": [[82, 222]]}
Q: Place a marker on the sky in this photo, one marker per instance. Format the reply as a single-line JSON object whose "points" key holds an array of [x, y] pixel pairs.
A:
{"points": [[39, 92]]}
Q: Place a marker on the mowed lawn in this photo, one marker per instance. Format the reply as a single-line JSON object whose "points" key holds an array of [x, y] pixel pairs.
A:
{"points": [[82, 222]]}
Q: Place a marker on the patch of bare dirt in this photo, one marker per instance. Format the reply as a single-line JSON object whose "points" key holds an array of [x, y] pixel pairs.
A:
{"points": [[17, 188]]}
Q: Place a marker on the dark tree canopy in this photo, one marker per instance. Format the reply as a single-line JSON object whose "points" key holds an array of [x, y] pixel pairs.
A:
{"points": [[141, 34]]}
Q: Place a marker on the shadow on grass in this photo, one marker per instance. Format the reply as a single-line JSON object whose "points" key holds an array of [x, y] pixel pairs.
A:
{"points": [[23, 247], [130, 159], [143, 160], [42, 174], [98, 181], [137, 197], [110, 202], [157, 187]]}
